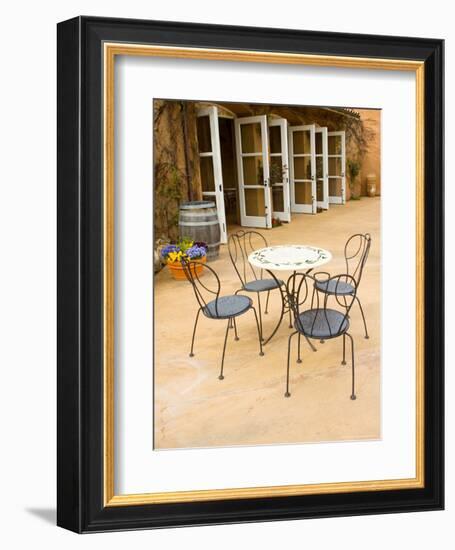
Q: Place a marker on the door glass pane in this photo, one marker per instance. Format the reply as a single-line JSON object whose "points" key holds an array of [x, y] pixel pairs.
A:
{"points": [[251, 138], [253, 173], [276, 170], [318, 139], [319, 167], [275, 139], [320, 190], [254, 202], [303, 192], [203, 134], [207, 177], [278, 198], [335, 187], [301, 142], [302, 168], [335, 166], [334, 143]]}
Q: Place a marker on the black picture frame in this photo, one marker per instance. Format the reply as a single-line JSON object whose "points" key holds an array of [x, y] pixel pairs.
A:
{"points": [[80, 276]]}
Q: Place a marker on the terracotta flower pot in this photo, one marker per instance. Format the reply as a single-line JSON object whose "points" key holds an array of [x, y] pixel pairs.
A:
{"points": [[178, 273]]}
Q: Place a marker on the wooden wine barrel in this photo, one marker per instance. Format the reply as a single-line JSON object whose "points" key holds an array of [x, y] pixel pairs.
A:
{"points": [[198, 220]]}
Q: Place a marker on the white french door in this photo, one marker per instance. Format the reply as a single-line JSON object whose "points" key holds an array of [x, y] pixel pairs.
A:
{"points": [[322, 168], [210, 163], [251, 141], [279, 169], [337, 167], [302, 168]]}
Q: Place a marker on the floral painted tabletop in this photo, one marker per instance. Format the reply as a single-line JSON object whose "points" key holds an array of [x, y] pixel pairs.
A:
{"points": [[289, 257]]}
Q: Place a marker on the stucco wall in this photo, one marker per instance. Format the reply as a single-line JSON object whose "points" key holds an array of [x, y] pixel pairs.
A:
{"points": [[371, 164]]}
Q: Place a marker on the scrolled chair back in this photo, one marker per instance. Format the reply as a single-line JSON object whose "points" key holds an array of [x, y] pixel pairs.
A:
{"points": [[205, 290], [356, 251], [323, 312], [240, 245]]}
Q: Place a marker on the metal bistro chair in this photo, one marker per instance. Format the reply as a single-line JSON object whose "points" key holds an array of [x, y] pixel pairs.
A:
{"points": [[214, 306], [356, 252], [241, 245], [320, 322]]}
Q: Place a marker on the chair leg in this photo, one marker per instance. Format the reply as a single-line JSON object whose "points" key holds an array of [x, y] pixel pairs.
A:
{"points": [[259, 331], [235, 329], [345, 303], [282, 314], [267, 303], [344, 350], [194, 332], [363, 317], [221, 377], [299, 360], [260, 315], [312, 297], [287, 394], [353, 396], [310, 344]]}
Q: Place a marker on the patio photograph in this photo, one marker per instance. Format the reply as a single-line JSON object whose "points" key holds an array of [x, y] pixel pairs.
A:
{"points": [[267, 284]]}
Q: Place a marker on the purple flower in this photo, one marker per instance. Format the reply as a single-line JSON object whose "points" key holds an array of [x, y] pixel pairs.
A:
{"points": [[169, 248], [196, 252]]}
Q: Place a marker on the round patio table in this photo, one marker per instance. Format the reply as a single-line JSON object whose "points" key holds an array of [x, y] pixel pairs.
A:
{"points": [[288, 257]]}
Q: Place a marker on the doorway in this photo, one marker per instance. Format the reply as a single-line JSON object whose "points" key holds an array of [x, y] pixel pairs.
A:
{"points": [[229, 169], [337, 167], [251, 138], [210, 163], [302, 168]]}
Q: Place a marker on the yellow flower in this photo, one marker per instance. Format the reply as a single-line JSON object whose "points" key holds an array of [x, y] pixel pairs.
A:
{"points": [[175, 257]]}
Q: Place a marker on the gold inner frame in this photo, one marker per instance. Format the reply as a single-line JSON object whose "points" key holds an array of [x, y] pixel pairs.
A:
{"points": [[109, 52]]}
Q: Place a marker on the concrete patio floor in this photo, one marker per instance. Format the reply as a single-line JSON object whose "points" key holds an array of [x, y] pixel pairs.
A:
{"points": [[193, 408]]}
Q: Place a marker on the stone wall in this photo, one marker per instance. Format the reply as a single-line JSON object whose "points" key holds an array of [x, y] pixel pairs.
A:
{"points": [[176, 163]]}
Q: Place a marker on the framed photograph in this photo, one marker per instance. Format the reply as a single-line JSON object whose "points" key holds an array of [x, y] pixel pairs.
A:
{"points": [[250, 274]]}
